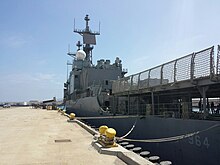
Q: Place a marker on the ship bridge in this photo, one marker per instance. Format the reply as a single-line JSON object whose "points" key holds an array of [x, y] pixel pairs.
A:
{"points": [[172, 86]]}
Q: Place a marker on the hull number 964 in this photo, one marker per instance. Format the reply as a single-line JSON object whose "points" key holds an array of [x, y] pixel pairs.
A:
{"points": [[199, 142]]}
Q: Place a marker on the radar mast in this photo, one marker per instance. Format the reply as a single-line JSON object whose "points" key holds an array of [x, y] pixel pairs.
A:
{"points": [[89, 39]]}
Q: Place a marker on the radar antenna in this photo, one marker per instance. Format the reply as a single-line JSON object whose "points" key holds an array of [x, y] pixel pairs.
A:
{"points": [[78, 44]]}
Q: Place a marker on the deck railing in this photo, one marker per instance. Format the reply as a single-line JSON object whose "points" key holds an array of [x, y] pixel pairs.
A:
{"points": [[190, 67]]}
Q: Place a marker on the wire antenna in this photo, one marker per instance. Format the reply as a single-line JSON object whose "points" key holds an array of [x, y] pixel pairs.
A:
{"points": [[99, 26], [68, 48], [74, 24]]}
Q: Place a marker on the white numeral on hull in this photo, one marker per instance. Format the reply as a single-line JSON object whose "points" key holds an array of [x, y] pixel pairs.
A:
{"points": [[198, 141]]}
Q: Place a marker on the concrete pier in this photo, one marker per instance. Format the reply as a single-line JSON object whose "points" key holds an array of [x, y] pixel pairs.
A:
{"points": [[36, 136]]}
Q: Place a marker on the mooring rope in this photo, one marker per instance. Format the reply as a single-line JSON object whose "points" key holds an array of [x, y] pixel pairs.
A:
{"points": [[102, 110], [169, 139], [132, 128]]}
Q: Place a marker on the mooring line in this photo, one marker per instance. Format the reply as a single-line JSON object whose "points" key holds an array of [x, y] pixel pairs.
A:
{"points": [[169, 139], [132, 128]]}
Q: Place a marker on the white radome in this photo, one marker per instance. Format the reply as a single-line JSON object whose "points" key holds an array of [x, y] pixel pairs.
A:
{"points": [[80, 55]]}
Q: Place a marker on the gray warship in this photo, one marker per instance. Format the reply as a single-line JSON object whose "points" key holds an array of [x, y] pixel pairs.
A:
{"points": [[170, 110]]}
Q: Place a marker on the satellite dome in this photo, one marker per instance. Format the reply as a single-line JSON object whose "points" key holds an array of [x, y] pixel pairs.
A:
{"points": [[80, 55]]}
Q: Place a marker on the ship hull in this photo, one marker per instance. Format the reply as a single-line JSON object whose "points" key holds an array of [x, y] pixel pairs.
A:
{"points": [[85, 107], [201, 148]]}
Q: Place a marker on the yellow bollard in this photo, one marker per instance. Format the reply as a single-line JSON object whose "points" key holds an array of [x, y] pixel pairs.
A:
{"points": [[102, 129], [107, 136], [72, 116], [110, 133]]}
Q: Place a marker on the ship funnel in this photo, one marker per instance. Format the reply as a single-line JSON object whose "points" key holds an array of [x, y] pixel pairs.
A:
{"points": [[80, 55]]}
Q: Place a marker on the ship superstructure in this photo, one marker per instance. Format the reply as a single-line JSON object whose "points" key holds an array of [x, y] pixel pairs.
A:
{"points": [[87, 79]]}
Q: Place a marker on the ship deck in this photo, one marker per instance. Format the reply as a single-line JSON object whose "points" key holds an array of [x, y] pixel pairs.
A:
{"points": [[36, 136]]}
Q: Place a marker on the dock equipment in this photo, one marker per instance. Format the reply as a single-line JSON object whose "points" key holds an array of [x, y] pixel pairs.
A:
{"points": [[72, 116], [107, 136]]}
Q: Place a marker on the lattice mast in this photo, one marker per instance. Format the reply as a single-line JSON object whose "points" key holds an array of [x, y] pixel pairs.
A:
{"points": [[89, 39]]}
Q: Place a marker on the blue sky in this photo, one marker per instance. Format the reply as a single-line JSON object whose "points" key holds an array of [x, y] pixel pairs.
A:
{"points": [[34, 38]]}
